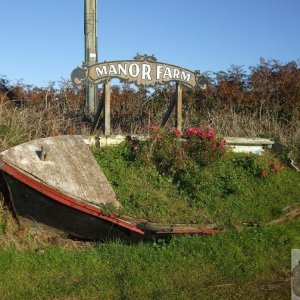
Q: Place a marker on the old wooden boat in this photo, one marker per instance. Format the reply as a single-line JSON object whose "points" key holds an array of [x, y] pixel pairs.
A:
{"points": [[56, 184]]}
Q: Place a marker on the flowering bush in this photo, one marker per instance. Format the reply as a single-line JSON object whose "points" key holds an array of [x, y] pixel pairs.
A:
{"points": [[197, 162], [203, 146], [191, 177], [176, 152]]}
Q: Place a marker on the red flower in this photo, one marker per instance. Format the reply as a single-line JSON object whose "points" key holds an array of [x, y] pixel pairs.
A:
{"points": [[153, 128], [192, 131], [275, 167], [222, 144], [203, 134], [177, 132], [264, 173], [281, 165], [211, 134]]}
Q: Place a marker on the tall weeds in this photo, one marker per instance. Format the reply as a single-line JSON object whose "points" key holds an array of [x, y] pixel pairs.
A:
{"points": [[19, 125], [133, 112]]}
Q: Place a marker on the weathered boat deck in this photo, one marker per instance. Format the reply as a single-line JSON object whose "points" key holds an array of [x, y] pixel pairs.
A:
{"points": [[66, 164]]}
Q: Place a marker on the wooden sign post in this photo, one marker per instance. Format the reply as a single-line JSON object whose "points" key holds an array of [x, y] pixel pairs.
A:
{"points": [[178, 107], [91, 55], [107, 108]]}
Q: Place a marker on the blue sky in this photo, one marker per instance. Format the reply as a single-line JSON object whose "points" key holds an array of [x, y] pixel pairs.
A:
{"points": [[43, 41]]}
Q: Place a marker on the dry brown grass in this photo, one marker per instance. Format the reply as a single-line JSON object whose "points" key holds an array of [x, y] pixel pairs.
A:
{"points": [[248, 125], [18, 125]]}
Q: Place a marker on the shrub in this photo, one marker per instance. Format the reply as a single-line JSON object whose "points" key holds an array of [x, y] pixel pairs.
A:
{"points": [[175, 153], [191, 177]]}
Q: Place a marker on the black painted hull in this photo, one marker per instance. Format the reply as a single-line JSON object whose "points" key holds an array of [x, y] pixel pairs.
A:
{"points": [[35, 209]]}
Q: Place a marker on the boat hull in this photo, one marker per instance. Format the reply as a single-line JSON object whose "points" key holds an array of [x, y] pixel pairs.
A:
{"points": [[35, 210]]}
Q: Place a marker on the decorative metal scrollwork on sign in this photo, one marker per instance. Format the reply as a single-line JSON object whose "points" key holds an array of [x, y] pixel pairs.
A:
{"points": [[144, 71], [79, 75]]}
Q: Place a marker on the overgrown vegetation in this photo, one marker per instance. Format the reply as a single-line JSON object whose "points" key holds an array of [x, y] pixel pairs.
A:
{"points": [[33, 113], [241, 193], [260, 102], [196, 180]]}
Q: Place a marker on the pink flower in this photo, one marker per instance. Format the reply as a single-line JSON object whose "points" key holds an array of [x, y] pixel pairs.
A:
{"points": [[192, 131], [264, 173], [203, 134], [135, 148], [222, 144], [211, 134], [153, 128], [177, 132], [274, 166]]}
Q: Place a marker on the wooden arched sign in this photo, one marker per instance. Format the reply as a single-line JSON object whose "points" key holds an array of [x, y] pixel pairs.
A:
{"points": [[144, 71]]}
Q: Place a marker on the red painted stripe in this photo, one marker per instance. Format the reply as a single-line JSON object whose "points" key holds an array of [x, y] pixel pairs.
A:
{"points": [[67, 200]]}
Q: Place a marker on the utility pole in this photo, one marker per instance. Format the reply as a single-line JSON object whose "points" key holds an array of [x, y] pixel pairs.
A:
{"points": [[91, 52]]}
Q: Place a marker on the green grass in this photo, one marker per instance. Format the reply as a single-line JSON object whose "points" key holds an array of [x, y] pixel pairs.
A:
{"points": [[252, 264], [248, 263], [231, 191], [143, 192]]}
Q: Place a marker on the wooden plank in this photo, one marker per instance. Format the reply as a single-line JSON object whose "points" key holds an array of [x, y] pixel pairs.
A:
{"points": [[107, 109], [69, 167], [178, 112], [169, 111], [100, 108], [248, 141]]}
